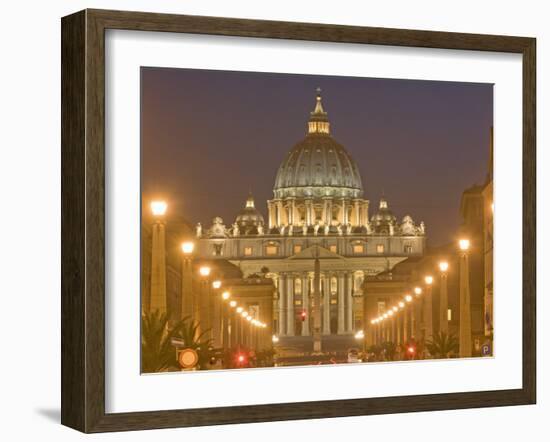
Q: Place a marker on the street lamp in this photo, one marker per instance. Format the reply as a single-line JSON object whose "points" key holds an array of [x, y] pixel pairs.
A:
{"points": [[157, 301], [464, 244], [187, 247], [232, 303], [158, 208], [465, 327], [417, 291], [187, 296], [205, 313], [428, 308], [216, 284], [443, 298]]}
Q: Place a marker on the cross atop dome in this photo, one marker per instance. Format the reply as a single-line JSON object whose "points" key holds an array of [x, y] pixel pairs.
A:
{"points": [[318, 120]]}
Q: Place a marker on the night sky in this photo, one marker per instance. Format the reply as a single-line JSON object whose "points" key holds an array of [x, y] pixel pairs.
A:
{"points": [[210, 137]]}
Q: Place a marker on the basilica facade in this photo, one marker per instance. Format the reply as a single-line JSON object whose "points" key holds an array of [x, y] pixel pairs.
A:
{"points": [[318, 212]]}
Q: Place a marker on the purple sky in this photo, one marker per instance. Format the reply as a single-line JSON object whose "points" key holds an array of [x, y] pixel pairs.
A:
{"points": [[208, 137]]}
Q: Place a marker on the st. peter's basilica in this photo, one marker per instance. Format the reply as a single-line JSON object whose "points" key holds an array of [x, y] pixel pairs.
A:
{"points": [[318, 211]]}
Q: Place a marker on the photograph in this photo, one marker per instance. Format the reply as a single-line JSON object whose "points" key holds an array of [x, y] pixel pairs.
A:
{"points": [[301, 220]]}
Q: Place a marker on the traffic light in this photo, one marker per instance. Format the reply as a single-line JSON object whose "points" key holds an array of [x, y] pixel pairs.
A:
{"points": [[303, 315], [241, 359]]}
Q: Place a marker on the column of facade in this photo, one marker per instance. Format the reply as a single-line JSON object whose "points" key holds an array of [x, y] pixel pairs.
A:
{"points": [[305, 304], [292, 213], [279, 205], [344, 218], [341, 303], [349, 302], [290, 316], [364, 213], [284, 214], [282, 304], [309, 214], [357, 212], [326, 304], [271, 213], [329, 216]]}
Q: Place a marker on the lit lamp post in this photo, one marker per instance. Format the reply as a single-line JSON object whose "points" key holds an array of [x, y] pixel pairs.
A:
{"points": [[401, 306], [249, 335], [238, 327], [216, 307], [231, 324], [224, 320], [428, 309], [203, 305], [417, 316], [187, 249], [391, 337], [465, 334], [443, 299], [158, 258], [244, 337], [408, 301]]}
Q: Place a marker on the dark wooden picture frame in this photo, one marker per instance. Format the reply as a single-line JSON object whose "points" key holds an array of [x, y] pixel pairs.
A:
{"points": [[83, 220]]}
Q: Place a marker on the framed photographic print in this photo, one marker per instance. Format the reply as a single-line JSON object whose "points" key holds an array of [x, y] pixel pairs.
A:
{"points": [[267, 221]]}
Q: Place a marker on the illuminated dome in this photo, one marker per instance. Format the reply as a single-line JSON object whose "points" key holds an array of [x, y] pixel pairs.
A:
{"points": [[249, 218], [318, 165], [384, 220]]}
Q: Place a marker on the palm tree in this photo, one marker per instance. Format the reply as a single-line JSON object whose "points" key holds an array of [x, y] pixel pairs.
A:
{"points": [[157, 351], [442, 345]]}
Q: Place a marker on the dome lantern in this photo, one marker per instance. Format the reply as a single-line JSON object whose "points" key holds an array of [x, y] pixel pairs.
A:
{"points": [[318, 120]]}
